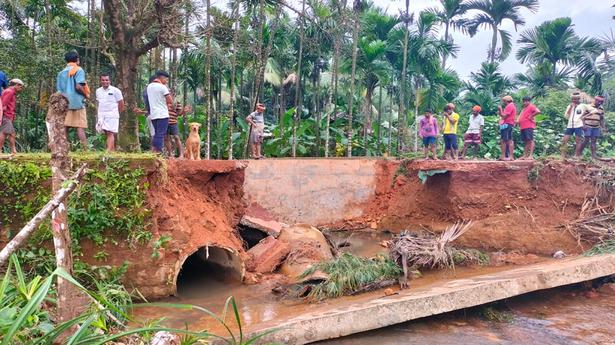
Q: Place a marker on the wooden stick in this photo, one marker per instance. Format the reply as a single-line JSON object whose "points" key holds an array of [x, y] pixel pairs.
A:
{"points": [[58, 199]]}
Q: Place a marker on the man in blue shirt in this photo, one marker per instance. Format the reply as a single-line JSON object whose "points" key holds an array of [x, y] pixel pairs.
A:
{"points": [[4, 83], [71, 83]]}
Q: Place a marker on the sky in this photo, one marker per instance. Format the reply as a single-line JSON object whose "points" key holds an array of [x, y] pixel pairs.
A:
{"points": [[591, 18]]}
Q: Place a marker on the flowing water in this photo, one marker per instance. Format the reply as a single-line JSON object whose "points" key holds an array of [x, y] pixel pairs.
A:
{"points": [[567, 315], [560, 316]]}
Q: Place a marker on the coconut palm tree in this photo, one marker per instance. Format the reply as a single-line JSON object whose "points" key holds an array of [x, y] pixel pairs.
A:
{"points": [[492, 13], [451, 15]]}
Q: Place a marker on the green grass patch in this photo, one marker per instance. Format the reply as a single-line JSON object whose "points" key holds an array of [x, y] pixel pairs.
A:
{"points": [[348, 274], [606, 247]]}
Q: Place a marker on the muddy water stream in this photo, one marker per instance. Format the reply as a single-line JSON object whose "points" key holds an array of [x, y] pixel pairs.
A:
{"points": [[567, 315]]}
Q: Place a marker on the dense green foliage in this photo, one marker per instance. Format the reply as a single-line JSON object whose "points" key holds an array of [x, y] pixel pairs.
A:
{"points": [[26, 315], [260, 58], [109, 206]]}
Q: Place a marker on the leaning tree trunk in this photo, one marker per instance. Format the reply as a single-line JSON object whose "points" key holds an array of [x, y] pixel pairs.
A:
{"points": [[298, 110], [355, 33], [58, 145], [128, 138]]}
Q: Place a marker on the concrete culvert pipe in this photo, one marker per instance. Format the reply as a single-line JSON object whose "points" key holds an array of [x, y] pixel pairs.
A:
{"points": [[208, 265]]}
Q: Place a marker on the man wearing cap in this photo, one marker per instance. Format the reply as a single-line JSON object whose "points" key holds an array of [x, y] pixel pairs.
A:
{"points": [[257, 131], [72, 84], [593, 119], [110, 105], [573, 113], [160, 101], [7, 115], [474, 134], [507, 122]]}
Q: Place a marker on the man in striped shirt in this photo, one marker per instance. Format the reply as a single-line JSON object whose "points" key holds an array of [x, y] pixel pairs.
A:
{"points": [[172, 140]]}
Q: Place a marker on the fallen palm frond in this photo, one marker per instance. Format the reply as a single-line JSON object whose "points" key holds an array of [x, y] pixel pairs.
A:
{"points": [[596, 224], [349, 274], [410, 250], [606, 247]]}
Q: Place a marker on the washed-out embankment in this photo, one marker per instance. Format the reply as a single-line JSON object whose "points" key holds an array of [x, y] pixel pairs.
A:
{"points": [[516, 206]]}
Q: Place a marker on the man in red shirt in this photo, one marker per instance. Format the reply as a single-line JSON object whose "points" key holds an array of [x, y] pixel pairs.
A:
{"points": [[507, 122], [7, 117], [527, 122]]}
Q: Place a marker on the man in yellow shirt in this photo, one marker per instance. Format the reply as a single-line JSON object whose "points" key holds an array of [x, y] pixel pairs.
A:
{"points": [[449, 130]]}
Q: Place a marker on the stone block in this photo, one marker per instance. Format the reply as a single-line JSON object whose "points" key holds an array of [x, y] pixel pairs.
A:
{"points": [[267, 255]]}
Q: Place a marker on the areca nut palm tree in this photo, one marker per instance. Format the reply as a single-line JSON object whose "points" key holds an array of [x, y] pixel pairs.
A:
{"points": [[452, 16], [492, 14]]}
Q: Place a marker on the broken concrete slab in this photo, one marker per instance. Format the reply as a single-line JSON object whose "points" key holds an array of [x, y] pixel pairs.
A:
{"points": [[434, 299], [258, 218], [267, 255]]}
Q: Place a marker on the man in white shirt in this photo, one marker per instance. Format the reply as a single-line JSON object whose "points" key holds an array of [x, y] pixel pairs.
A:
{"points": [[160, 100], [110, 105], [574, 113], [474, 134]]}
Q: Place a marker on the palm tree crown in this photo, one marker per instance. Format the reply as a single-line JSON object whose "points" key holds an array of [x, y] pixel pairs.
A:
{"points": [[492, 13]]}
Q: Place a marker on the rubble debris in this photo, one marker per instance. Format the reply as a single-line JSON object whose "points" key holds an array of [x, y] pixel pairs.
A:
{"points": [[308, 246], [267, 255], [559, 254], [258, 218]]}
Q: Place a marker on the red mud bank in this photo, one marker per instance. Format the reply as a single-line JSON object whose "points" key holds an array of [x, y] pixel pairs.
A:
{"points": [[514, 206], [199, 204]]}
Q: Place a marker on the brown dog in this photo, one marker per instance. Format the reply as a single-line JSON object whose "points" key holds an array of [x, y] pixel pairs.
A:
{"points": [[193, 143]]}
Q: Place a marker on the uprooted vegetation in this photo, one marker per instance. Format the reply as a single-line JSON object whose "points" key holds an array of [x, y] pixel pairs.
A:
{"points": [[349, 274], [424, 250], [596, 222], [408, 252]]}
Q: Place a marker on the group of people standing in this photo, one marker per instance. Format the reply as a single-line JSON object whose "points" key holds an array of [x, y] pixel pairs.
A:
{"points": [[585, 121]]}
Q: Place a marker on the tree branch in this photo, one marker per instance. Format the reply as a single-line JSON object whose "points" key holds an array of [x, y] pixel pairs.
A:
{"points": [[22, 237]]}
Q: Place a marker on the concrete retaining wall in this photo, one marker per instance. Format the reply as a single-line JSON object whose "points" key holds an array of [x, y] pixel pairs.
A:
{"points": [[314, 191]]}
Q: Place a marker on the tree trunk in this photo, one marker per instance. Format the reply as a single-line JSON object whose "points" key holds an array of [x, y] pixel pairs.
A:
{"points": [[355, 33], [59, 146], [208, 82], [379, 120], [298, 110], [494, 42], [446, 37], [390, 129], [368, 119], [185, 83], [128, 137], [332, 92], [402, 118]]}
